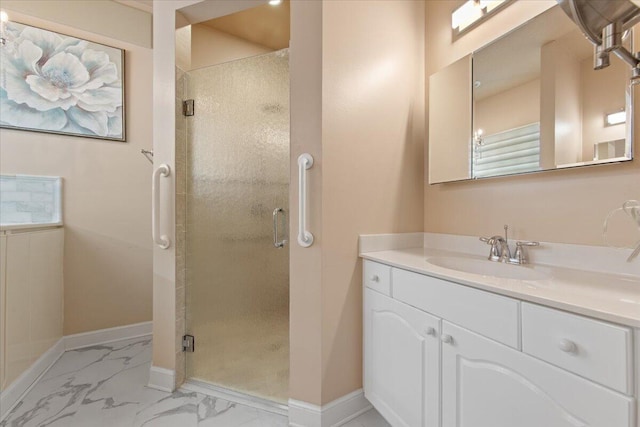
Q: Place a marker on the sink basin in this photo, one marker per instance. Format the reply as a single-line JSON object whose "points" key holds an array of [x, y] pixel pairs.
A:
{"points": [[488, 268]]}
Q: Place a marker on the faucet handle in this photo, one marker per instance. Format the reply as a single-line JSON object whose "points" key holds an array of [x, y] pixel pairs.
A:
{"points": [[495, 251], [520, 255], [491, 240], [525, 243]]}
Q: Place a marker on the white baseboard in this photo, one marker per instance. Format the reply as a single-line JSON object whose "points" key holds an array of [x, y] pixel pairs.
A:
{"points": [[236, 397], [162, 379], [333, 414], [105, 336], [21, 385]]}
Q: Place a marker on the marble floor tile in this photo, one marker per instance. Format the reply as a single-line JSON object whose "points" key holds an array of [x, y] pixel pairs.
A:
{"points": [[369, 419], [105, 386]]}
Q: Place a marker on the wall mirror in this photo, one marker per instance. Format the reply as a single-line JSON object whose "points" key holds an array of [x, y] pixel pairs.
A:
{"points": [[529, 101]]}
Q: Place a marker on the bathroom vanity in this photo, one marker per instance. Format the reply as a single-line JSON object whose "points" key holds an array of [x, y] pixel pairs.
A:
{"points": [[540, 346]]}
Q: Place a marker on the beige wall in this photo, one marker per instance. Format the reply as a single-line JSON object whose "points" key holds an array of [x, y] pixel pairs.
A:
{"points": [[199, 46], [603, 92], [450, 102], [107, 255], [510, 109], [183, 48], [372, 149], [566, 206], [210, 46], [104, 17], [305, 270], [562, 112]]}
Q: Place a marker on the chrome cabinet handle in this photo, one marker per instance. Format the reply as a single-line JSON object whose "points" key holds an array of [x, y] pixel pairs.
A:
{"points": [[305, 238], [430, 331], [375, 278], [162, 241], [278, 243]]}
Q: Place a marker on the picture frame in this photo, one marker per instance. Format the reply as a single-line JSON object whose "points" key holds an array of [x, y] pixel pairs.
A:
{"points": [[56, 83]]}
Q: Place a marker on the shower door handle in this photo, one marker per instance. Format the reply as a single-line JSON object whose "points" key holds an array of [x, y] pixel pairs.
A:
{"points": [[161, 240], [278, 243]]}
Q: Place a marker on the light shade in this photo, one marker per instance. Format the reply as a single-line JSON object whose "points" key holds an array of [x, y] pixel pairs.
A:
{"points": [[465, 15], [473, 12], [615, 118]]}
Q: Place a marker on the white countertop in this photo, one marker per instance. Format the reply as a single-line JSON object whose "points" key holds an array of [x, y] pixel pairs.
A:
{"points": [[610, 297]]}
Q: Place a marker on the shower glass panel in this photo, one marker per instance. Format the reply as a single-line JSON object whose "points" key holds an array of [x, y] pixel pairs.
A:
{"points": [[237, 286]]}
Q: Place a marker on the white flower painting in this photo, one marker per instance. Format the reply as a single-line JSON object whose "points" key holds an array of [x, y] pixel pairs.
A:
{"points": [[50, 82]]}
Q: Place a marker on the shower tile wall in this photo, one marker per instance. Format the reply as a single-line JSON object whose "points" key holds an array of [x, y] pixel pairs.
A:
{"points": [[181, 207], [29, 199]]}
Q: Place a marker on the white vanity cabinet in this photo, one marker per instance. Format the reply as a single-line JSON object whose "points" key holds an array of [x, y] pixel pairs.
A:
{"points": [[402, 361], [428, 363], [486, 384]]}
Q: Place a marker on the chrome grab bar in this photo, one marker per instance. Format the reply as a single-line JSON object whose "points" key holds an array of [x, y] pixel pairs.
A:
{"points": [[162, 241], [305, 238], [278, 243]]}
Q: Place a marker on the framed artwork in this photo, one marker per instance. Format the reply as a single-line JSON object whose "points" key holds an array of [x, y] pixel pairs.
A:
{"points": [[51, 82]]}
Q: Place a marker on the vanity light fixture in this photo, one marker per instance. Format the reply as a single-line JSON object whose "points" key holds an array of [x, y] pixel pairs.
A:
{"points": [[605, 24], [275, 2], [616, 118], [472, 13]]}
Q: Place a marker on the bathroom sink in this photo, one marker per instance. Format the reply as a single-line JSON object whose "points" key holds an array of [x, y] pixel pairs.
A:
{"points": [[488, 268]]}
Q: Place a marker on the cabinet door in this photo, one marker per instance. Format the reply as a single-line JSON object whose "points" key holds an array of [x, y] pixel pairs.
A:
{"points": [[486, 384], [401, 361]]}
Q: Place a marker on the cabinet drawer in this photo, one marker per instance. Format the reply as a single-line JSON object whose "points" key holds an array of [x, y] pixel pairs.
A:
{"points": [[377, 277], [488, 314], [591, 348]]}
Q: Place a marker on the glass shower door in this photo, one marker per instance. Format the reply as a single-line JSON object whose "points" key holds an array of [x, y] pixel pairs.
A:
{"points": [[237, 283]]}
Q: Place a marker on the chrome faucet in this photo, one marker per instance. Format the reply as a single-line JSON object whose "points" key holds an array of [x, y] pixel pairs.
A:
{"points": [[501, 252]]}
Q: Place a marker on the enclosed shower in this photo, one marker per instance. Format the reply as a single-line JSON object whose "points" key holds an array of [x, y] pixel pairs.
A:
{"points": [[236, 163]]}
